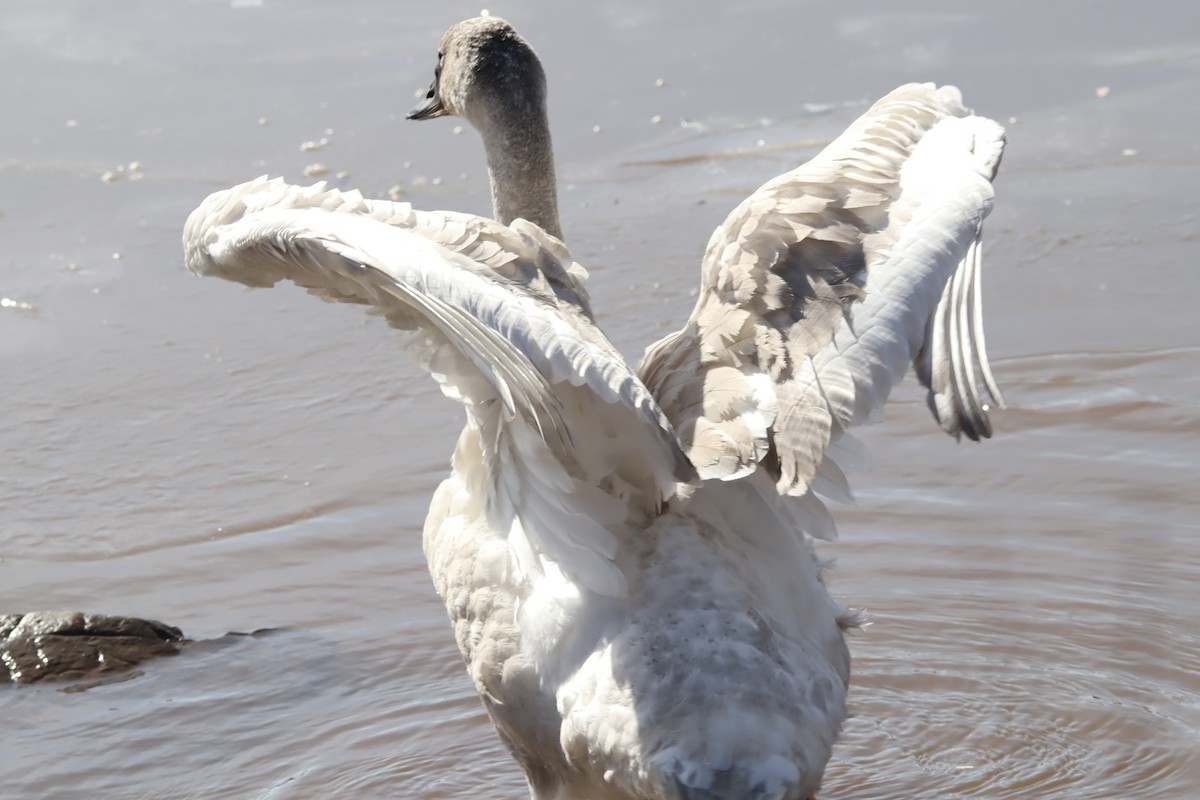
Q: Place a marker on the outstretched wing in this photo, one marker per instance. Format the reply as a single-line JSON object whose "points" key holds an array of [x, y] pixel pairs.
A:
{"points": [[821, 287], [499, 318]]}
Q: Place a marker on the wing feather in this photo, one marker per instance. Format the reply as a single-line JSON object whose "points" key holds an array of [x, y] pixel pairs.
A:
{"points": [[827, 282], [502, 324]]}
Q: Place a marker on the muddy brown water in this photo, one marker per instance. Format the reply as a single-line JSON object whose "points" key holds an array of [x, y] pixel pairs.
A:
{"points": [[234, 460]]}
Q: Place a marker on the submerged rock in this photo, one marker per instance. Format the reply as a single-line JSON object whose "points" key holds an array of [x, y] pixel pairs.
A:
{"points": [[66, 645]]}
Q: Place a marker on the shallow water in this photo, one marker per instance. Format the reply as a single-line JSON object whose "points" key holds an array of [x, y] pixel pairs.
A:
{"points": [[257, 462]]}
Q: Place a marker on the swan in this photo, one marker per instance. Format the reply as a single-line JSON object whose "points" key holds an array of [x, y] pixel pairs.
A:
{"points": [[627, 555]]}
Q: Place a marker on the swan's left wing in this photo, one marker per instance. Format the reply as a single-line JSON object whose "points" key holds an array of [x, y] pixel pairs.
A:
{"points": [[820, 289], [573, 439]]}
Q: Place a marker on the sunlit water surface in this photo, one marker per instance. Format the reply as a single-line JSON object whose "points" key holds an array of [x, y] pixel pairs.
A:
{"points": [[254, 466]]}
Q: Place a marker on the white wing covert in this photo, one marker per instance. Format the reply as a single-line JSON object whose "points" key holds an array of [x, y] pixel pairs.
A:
{"points": [[500, 319], [820, 288]]}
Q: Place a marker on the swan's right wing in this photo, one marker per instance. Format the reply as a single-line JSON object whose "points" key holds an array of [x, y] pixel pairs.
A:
{"points": [[573, 438], [821, 287]]}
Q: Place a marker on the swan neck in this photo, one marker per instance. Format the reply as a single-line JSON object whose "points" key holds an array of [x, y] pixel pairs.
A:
{"points": [[521, 169]]}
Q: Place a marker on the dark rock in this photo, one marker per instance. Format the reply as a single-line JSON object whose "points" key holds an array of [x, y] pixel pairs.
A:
{"points": [[66, 645]]}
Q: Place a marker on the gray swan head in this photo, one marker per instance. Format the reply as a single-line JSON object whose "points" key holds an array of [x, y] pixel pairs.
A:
{"points": [[488, 75]]}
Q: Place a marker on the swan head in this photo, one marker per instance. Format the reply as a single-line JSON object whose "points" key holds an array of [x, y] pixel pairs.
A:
{"points": [[486, 74]]}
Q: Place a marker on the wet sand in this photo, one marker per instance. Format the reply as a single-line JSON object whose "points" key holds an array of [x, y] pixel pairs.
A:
{"points": [[234, 460]]}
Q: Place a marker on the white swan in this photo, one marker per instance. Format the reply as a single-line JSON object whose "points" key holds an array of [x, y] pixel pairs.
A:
{"points": [[626, 556]]}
